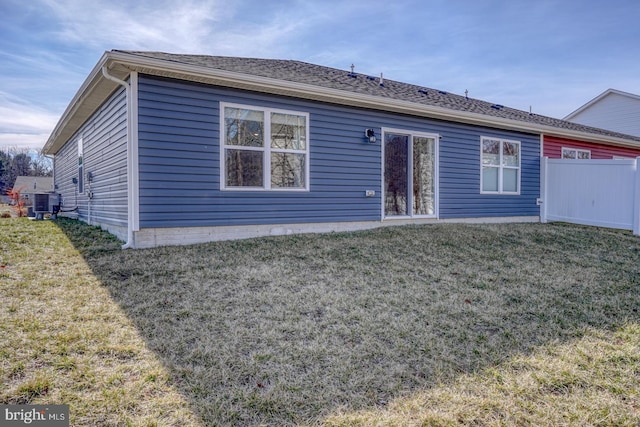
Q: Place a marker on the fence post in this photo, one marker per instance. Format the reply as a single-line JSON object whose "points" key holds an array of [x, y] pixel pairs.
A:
{"points": [[543, 189], [636, 199]]}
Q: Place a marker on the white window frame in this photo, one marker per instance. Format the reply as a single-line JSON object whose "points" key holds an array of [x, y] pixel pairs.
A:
{"points": [[576, 150], [80, 166], [501, 167], [266, 149], [411, 134]]}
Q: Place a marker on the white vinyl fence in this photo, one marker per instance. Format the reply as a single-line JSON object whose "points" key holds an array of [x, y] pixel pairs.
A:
{"points": [[604, 193]]}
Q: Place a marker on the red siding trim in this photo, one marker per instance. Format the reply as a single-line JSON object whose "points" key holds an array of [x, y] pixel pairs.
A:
{"points": [[552, 148]]}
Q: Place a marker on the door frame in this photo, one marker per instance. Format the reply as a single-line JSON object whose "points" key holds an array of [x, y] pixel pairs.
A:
{"points": [[436, 195]]}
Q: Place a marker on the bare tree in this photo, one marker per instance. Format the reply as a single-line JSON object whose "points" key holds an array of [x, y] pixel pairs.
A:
{"points": [[16, 162], [21, 165], [41, 165]]}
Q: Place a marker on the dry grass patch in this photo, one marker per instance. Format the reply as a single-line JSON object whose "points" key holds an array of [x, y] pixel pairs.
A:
{"points": [[592, 381], [64, 340], [339, 329], [289, 330]]}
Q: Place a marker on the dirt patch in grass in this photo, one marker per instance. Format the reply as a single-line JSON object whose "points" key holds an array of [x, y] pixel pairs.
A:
{"points": [[361, 328]]}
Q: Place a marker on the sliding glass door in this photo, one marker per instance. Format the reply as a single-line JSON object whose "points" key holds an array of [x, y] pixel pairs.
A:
{"points": [[410, 174]]}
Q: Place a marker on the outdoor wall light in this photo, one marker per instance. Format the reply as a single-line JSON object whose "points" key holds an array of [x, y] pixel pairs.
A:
{"points": [[371, 135]]}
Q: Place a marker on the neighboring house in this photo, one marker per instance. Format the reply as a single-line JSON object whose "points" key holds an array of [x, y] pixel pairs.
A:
{"points": [[568, 148], [613, 109], [163, 149], [37, 192], [28, 186]]}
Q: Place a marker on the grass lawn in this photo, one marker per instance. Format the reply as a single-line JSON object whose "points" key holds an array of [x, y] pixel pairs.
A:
{"points": [[528, 324]]}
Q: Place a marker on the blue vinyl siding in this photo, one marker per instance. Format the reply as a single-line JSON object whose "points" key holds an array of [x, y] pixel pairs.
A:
{"points": [[104, 138], [460, 176], [179, 160]]}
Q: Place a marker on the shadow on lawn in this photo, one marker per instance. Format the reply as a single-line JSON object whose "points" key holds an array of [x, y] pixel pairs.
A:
{"points": [[287, 330]]}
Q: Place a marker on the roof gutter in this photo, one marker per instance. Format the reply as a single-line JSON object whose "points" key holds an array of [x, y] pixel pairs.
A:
{"points": [[124, 63], [84, 93], [161, 67]]}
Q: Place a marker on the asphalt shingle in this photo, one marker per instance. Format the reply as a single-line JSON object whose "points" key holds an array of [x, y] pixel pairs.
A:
{"points": [[332, 78]]}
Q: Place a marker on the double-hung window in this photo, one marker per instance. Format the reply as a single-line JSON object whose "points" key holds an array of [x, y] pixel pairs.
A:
{"points": [[575, 153], [264, 148], [500, 166]]}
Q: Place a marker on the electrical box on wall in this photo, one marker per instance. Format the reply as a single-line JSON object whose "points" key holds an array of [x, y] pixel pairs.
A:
{"points": [[370, 193]]}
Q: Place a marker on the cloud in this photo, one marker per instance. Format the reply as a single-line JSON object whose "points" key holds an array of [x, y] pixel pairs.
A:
{"points": [[40, 77], [442, 45], [188, 26], [285, 29], [134, 25], [32, 142], [23, 125]]}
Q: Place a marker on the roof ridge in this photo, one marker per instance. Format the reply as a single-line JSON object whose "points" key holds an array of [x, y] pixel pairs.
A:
{"points": [[339, 79]]}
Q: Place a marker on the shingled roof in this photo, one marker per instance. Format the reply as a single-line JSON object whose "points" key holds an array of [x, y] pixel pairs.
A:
{"points": [[309, 81], [34, 184], [331, 78]]}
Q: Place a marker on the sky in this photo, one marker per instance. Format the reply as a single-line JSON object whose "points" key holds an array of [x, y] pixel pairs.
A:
{"points": [[550, 56]]}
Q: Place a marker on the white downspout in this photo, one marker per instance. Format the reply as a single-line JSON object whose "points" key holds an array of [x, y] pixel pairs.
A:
{"points": [[130, 201], [53, 175]]}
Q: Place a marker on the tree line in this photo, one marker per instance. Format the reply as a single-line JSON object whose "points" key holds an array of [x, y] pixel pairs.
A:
{"points": [[16, 162]]}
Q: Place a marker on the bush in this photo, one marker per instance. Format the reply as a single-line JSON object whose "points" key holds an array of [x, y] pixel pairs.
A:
{"points": [[5, 214], [17, 202]]}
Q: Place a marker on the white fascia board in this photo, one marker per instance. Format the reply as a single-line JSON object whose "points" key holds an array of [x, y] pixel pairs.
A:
{"points": [[189, 72], [204, 74], [573, 114], [68, 123], [587, 105]]}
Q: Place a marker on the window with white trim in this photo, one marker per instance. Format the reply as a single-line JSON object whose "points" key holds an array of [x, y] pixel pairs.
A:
{"points": [[500, 166], [80, 167], [575, 153], [264, 148]]}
